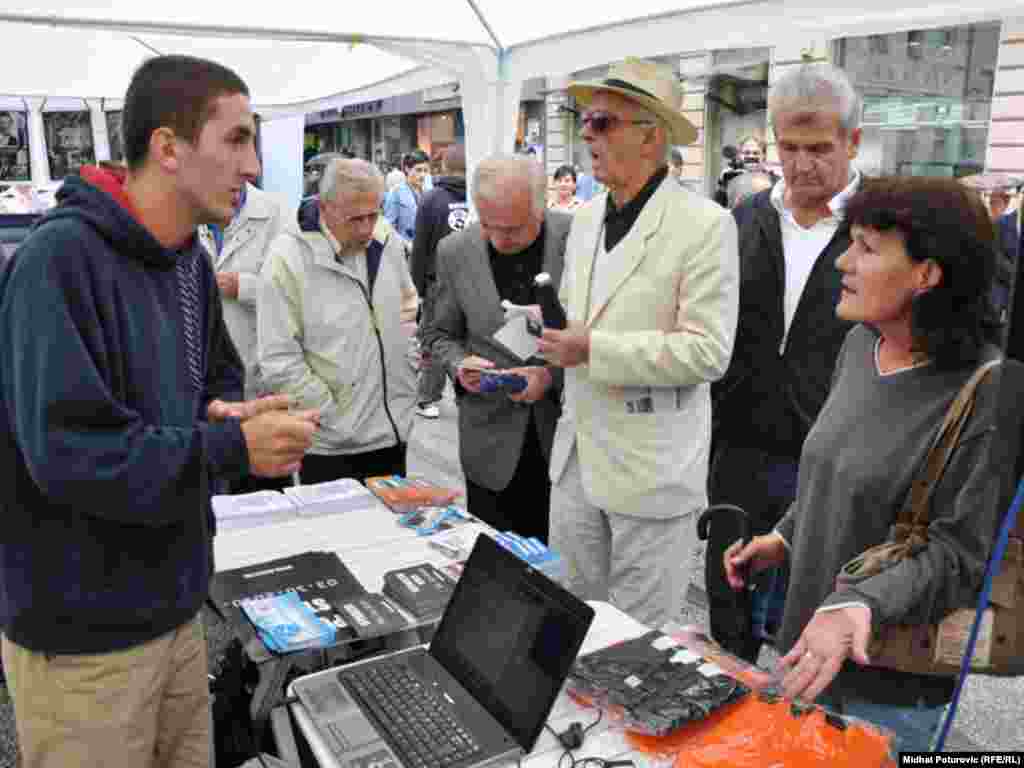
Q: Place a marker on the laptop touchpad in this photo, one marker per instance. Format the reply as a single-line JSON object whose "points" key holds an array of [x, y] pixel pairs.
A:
{"points": [[359, 731], [328, 700], [331, 704]]}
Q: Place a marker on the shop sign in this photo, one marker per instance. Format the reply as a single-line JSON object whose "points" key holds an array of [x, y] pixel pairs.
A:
{"points": [[365, 108], [441, 92]]}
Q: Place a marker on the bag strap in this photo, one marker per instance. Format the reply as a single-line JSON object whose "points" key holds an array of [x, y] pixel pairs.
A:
{"points": [[915, 508], [994, 562]]}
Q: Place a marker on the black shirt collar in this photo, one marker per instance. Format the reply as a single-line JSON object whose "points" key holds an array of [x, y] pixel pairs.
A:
{"points": [[536, 245], [631, 210]]}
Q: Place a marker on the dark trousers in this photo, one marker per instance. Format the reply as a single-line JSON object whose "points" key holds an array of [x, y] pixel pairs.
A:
{"points": [[763, 485], [321, 469], [432, 374], [524, 505]]}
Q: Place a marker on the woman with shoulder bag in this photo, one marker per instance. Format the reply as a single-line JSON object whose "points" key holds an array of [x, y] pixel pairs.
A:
{"points": [[916, 278]]}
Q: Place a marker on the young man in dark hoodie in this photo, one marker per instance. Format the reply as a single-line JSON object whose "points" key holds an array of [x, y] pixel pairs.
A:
{"points": [[442, 210], [116, 373]]}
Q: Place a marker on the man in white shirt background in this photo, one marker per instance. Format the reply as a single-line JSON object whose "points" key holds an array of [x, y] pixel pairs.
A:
{"points": [[788, 335]]}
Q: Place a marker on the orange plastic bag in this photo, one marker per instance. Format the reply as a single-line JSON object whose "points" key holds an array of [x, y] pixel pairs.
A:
{"points": [[754, 733]]}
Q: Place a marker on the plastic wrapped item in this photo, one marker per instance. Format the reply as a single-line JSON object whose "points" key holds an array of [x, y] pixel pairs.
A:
{"points": [[285, 623], [406, 494], [536, 553], [694, 638], [430, 520], [653, 685], [764, 731], [502, 381]]}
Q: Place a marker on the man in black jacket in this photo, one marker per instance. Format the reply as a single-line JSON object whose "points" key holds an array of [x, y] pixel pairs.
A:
{"points": [[442, 210], [116, 370], [788, 335]]}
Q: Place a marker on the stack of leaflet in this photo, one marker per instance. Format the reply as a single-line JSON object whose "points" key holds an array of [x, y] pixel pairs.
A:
{"points": [[346, 495], [423, 590], [245, 510], [285, 623]]}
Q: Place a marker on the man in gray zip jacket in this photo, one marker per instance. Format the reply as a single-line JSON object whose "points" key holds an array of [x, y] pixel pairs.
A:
{"points": [[334, 325]]}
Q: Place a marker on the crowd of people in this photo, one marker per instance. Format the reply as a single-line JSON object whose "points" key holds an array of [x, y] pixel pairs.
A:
{"points": [[169, 331]]}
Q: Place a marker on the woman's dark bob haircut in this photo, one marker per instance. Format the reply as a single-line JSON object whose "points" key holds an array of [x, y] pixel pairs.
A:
{"points": [[941, 220]]}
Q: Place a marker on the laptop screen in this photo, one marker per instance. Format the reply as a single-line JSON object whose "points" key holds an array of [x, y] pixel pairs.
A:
{"points": [[510, 636]]}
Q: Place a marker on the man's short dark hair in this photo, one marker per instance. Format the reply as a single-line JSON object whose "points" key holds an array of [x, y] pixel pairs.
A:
{"points": [[414, 158], [177, 92], [942, 220], [565, 170]]}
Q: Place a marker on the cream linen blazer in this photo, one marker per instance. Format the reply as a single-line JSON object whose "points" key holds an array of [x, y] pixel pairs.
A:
{"points": [[639, 413]]}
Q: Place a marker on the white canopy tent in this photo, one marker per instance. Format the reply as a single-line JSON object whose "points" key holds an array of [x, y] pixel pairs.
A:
{"points": [[298, 59]]}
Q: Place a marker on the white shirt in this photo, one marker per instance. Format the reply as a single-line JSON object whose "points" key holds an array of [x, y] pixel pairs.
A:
{"points": [[801, 247], [356, 260]]}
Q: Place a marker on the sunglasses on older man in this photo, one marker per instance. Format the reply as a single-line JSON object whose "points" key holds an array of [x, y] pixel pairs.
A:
{"points": [[601, 121]]}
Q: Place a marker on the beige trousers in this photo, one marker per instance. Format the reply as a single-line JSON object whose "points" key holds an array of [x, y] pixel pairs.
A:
{"points": [[635, 563], [143, 707]]}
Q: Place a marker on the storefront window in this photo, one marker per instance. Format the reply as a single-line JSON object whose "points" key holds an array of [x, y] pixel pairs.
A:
{"points": [[927, 98], [14, 154]]}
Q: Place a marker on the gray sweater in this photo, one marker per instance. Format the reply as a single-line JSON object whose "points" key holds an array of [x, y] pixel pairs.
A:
{"points": [[855, 471]]}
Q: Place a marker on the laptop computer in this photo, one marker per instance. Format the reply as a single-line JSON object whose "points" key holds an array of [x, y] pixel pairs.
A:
{"points": [[481, 692]]}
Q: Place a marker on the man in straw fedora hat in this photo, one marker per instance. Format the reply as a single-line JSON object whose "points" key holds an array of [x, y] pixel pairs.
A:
{"points": [[650, 289]]}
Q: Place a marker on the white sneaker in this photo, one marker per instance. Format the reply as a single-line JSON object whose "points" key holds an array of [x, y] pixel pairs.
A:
{"points": [[428, 411]]}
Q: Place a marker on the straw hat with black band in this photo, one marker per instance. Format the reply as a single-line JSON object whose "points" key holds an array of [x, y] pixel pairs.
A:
{"points": [[653, 86]]}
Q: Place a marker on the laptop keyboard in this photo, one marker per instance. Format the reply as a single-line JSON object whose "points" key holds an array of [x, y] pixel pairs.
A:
{"points": [[416, 720]]}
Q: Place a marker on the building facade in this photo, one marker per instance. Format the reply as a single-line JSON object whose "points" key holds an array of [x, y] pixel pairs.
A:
{"points": [[944, 101], [383, 130]]}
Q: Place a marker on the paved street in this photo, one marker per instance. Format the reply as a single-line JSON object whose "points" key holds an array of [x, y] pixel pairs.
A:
{"points": [[991, 713]]}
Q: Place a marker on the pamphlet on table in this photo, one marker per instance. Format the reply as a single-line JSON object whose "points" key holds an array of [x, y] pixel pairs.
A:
{"points": [[345, 495], [245, 510]]}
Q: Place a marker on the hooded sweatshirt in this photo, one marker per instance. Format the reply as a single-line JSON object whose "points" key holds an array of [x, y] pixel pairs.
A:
{"points": [[106, 508], [442, 210]]}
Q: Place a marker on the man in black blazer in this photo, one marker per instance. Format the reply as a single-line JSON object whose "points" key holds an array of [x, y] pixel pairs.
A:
{"points": [[788, 335], [504, 438]]}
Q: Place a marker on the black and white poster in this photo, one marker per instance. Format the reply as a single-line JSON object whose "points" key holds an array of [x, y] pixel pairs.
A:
{"points": [[115, 134], [68, 141], [14, 152]]}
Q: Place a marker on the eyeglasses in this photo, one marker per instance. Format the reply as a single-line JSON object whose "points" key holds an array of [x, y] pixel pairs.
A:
{"points": [[602, 122]]}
